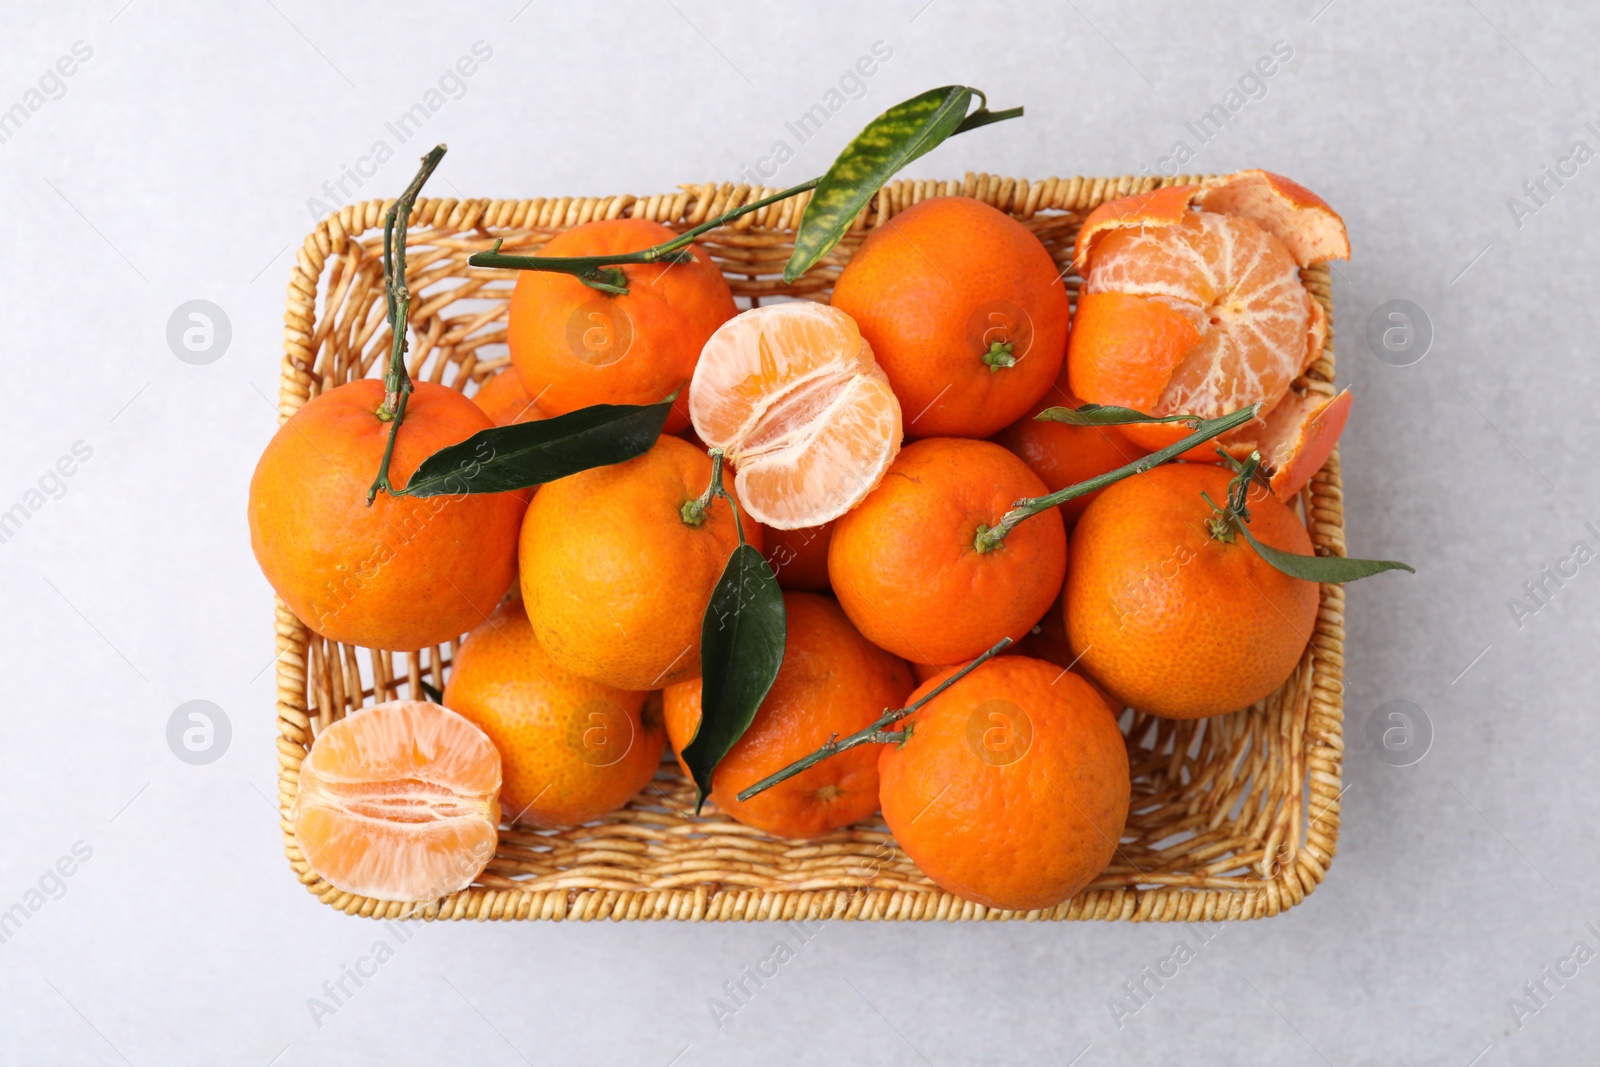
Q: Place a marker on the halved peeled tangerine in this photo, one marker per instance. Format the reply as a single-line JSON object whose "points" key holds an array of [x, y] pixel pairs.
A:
{"points": [[1192, 303], [399, 801], [792, 395]]}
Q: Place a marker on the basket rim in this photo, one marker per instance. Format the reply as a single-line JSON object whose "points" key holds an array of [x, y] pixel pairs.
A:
{"points": [[1319, 759]]}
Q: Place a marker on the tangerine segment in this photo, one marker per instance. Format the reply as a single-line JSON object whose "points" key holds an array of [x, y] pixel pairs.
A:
{"points": [[399, 802], [793, 396], [905, 564], [1012, 786], [1240, 289], [832, 683]]}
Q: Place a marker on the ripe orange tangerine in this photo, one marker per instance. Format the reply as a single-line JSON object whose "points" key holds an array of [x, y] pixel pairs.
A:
{"points": [[792, 394], [571, 749], [399, 801], [575, 346], [1012, 786], [833, 682], [966, 311], [404, 573], [504, 400]]}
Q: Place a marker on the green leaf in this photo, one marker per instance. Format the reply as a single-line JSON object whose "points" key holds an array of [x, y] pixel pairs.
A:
{"points": [[905, 132], [741, 649], [525, 454], [1321, 568], [1108, 415]]}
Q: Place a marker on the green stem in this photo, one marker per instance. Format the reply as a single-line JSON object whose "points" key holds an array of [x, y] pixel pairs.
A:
{"points": [[694, 511], [396, 380], [989, 537], [594, 271], [1225, 520], [874, 734]]}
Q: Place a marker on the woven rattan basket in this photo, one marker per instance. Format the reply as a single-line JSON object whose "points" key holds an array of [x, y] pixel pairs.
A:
{"points": [[1235, 817]]}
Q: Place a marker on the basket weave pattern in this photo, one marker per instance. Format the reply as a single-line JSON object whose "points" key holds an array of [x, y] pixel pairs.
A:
{"points": [[1235, 817]]}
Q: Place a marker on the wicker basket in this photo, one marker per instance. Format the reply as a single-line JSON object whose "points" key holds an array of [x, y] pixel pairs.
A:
{"points": [[1235, 817]]}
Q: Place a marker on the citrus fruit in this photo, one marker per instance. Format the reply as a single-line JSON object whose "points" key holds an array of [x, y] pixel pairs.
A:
{"points": [[398, 802], [1173, 619], [403, 574], [965, 310], [1063, 455], [1192, 301], [833, 682], [571, 749], [575, 346], [1012, 786], [504, 400], [615, 578], [905, 563], [791, 393], [799, 557]]}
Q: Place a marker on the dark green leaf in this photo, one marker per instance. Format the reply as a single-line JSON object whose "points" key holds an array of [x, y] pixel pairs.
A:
{"points": [[1108, 415], [901, 134], [1321, 568], [532, 453], [430, 692], [741, 648]]}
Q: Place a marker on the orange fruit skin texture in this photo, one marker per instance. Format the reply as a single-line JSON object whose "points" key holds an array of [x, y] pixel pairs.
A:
{"points": [[1012, 789], [403, 574], [399, 802], [931, 288], [505, 401], [571, 749], [1173, 621], [833, 681], [615, 581], [1063, 455], [800, 557], [574, 346], [905, 568]]}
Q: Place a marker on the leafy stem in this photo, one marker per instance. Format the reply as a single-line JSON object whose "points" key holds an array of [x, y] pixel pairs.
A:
{"points": [[396, 381], [598, 272], [990, 537], [694, 511], [877, 733]]}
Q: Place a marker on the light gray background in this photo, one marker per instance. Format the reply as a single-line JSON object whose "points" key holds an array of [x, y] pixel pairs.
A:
{"points": [[178, 165]]}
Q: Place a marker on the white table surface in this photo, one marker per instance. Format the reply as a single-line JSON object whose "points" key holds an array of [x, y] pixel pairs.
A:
{"points": [[176, 164]]}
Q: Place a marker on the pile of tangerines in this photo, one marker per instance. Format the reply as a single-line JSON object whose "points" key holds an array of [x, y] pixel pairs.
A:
{"points": [[882, 447]]}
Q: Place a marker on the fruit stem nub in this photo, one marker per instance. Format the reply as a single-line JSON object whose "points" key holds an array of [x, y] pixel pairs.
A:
{"points": [[999, 355], [876, 734], [694, 511]]}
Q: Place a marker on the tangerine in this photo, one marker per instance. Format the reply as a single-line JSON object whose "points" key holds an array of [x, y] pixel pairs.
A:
{"points": [[905, 563], [965, 310], [1175, 617], [571, 749], [616, 577], [575, 346], [404, 573], [504, 400], [1011, 787], [833, 682]]}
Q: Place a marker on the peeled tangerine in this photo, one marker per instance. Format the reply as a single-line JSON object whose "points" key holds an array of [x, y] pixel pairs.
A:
{"points": [[399, 801], [792, 395], [1192, 303]]}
